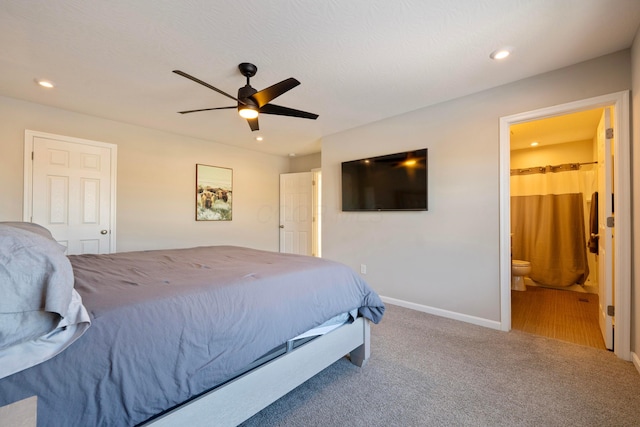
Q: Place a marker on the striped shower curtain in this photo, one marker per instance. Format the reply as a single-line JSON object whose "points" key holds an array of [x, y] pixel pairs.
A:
{"points": [[548, 224]]}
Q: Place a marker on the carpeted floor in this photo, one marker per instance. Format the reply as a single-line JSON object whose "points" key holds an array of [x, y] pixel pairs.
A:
{"points": [[431, 371]]}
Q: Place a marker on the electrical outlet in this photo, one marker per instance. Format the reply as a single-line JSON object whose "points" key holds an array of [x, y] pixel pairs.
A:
{"points": [[363, 268]]}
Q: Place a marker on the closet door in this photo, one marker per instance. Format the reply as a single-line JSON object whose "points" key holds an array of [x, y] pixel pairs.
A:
{"points": [[296, 220], [72, 192]]}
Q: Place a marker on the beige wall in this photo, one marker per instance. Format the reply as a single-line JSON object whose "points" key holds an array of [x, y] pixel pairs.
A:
{"points": [[304, 163], [447, 259], [155, 180], [635, 188], [555, 154]]}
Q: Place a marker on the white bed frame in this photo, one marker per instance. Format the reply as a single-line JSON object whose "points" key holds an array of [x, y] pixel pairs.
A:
{"points": [[238, 400]]}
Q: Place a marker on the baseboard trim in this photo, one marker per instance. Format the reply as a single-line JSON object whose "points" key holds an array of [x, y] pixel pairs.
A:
{"points": [[492, 324], [636, 361]]}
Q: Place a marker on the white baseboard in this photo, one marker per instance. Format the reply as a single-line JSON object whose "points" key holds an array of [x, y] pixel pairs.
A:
{"points": [[636, 360], [492, 324]]}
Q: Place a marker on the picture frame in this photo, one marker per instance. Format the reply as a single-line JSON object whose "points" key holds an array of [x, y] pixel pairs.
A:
{"points": [[214, 188]]}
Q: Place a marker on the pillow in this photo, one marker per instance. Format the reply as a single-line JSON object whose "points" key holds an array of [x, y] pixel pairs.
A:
{"points": [[36, 282], [30, 226]]}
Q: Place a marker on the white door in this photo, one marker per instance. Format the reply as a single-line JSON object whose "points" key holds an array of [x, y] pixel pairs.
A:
{"points": [[605, 228], [296, 219], [72, 191]]}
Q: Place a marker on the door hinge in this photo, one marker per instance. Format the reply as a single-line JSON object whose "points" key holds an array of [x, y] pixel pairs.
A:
{"points": [[610, 221], [609, 133], [611, 310], [32, 155]]}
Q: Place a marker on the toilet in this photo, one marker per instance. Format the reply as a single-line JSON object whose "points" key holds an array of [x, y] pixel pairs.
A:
{"points": [[519, 269]]}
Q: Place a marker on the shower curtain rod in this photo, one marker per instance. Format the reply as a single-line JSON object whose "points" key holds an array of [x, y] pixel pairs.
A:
{"points": [[549, 168]]}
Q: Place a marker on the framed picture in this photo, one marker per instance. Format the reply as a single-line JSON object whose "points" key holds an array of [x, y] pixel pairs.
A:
{"points": [[214, 186]]}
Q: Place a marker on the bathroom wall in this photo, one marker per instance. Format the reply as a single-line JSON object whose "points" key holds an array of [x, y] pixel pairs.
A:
{"points": [[568, 152]]}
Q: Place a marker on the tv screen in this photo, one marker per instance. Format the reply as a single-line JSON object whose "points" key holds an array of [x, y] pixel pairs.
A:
{"points": [[395, 182]]}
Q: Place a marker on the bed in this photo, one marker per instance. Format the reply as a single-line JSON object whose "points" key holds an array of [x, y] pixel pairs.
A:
{"points": [[195, 336]]}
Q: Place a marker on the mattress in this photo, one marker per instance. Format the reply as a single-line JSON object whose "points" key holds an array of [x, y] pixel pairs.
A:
{"points": [[169, 325]]}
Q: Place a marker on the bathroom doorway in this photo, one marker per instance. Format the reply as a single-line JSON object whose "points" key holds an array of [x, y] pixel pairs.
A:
{"points": [[553, 190], [619, 102]]}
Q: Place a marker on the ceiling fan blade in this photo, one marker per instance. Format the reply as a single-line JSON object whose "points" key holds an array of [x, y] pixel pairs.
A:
{"points": [[253, 124], [205, 84], [206, 109], [285, 111], [272, 92]]}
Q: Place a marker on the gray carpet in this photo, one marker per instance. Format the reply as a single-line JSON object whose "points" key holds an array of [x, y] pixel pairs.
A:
{"points": [[430, 371]]}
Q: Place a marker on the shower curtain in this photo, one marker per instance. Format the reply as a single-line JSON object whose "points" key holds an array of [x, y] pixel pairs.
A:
{"points": [[548, 224]]}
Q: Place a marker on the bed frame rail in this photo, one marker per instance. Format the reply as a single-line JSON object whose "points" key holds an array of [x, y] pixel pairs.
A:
{"points": [[238, 400]]}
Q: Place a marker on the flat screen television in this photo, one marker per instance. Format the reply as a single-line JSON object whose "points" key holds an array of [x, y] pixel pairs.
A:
{"points": [[394, 182]]}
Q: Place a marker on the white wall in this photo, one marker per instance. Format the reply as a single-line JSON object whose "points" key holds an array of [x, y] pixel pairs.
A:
{"points": [[447, 259], [635, 183], [155, 180]]}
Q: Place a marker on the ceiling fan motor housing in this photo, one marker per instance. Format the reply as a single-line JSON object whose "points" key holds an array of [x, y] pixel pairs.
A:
{"points": [[244, 95]]}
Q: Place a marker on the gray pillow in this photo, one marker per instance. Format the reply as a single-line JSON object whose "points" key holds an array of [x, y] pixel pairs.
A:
{"points": [[36, 282], [30, 226]]}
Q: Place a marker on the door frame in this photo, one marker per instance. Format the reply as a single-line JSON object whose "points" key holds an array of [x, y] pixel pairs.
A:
{"points": [[622, 207], [316, 205], [27, 210]]}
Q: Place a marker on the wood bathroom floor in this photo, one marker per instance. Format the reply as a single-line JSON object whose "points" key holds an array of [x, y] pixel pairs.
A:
{"points": [[563, 315]]}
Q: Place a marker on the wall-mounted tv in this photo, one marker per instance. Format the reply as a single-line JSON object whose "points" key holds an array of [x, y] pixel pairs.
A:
{"points": [[394, 182]]}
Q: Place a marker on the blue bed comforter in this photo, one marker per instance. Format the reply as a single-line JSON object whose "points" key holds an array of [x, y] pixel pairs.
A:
{"points": [[168, 325]]}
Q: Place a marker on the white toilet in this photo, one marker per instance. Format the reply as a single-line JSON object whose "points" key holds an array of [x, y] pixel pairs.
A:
{"points": [[519, 269]]}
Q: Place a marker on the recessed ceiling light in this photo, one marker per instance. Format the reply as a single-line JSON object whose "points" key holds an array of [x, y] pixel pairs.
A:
{"points": [[259, 138], [292, 154], [500, 53], [534, 144], [45, 83]]}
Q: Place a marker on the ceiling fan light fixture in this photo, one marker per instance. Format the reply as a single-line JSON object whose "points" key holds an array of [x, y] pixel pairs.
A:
{"points": [[248, 112]]}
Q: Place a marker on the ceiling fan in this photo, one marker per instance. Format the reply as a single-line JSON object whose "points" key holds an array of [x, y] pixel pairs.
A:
{"points": [[252, 102]]}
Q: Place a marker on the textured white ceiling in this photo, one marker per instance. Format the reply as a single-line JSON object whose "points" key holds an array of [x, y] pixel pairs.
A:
{"points": [[359, 61]]}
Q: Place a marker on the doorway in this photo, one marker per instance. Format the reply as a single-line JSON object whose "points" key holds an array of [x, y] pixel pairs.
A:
{"points": [[300, 210], [621, 177], [553, 189]]}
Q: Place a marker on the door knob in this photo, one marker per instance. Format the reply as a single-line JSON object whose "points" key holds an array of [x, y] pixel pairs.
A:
{"points": [[103, 231], [282, 226]]}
